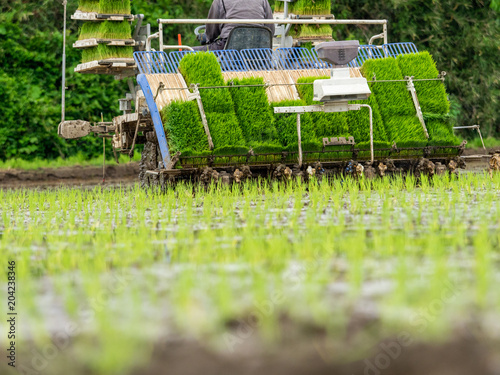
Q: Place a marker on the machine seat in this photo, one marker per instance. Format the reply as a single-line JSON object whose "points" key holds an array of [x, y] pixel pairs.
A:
{"points": [[249, 37]]}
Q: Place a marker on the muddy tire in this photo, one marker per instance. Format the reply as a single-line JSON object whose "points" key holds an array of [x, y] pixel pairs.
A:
{"points": [[149, 162]]}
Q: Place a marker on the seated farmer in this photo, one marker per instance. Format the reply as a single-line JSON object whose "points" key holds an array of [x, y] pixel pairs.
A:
{"points": [[216, 35]]}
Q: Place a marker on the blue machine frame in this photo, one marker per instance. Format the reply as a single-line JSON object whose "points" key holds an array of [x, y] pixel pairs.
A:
{"points": [[155, 115]]}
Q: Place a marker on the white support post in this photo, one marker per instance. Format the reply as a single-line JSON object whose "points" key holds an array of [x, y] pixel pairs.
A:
{"points": [[160, 31], [375, 37], [63, 84], [411, 87], [477, 127], [371, 130], [299, 139], [480, 136]]}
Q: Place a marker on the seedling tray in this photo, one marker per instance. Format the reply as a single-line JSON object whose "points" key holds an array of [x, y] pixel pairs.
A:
{"points": [[94, 42], [98, 17]]}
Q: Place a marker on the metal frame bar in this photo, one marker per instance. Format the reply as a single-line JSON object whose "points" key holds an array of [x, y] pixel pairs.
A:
{"points": [[266, 85], [286, 21], [63, 84], [299, 137], [285, 29], [160, 32], [178, 47], [196, 96]]}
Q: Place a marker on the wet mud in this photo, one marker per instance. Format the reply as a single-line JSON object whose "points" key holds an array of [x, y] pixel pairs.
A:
{"points": [[135, 172]]}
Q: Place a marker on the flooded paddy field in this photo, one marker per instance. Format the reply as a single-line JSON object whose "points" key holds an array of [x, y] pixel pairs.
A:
{"points": [[389, 276]]}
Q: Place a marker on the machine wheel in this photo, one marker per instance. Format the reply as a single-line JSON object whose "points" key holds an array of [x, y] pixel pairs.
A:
{"points": [[149, 161]]}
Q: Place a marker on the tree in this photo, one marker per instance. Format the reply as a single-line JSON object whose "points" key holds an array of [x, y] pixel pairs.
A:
{"points": [[462, 36]]}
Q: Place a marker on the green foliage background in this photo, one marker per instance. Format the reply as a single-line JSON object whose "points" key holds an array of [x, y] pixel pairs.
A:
{"points": [[462, 36], [30, 75]]}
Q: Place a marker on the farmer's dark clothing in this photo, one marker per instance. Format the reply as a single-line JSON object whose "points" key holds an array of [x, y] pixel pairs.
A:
{"points": [[215, 46], [233, 10]]}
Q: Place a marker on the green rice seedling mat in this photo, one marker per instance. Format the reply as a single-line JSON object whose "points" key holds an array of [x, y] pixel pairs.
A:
{"points": [[311, 32], [286, 125], [203, 69], [432, 97], [183, 128], [114, 6], [104, 52], [225, 130], [90, 30], [352, 123], [115, 30], [308, 8], [105, 40], [245, 129], [431, 94]]}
